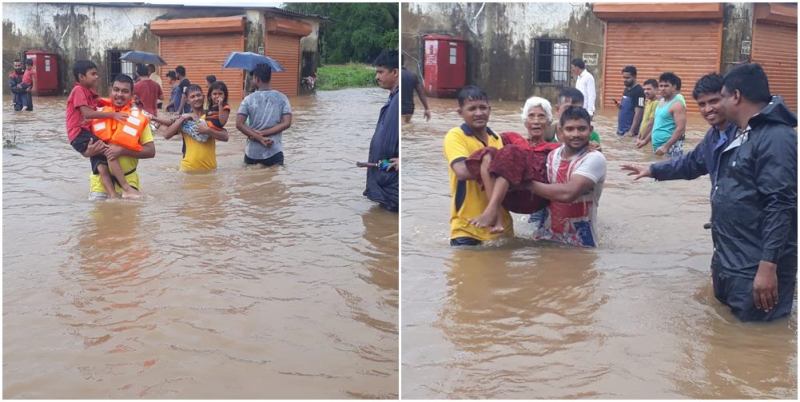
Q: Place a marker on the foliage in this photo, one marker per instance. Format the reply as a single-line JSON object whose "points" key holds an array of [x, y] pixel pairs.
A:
{"points": [[349, 75], [356, 32]]}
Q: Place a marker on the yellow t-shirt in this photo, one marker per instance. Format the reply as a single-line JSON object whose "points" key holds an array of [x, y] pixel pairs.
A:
{"points": [[468, 199], [649, 113], [128, 164], [198, 156]]}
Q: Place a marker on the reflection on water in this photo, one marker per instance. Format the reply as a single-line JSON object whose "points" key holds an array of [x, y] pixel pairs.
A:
{"points": [[634, 318], [240, 283]]}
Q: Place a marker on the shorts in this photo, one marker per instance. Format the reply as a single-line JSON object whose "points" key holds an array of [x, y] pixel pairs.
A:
{"points": [[464, 241], [276, 159], [737, 293], [81, 142]]}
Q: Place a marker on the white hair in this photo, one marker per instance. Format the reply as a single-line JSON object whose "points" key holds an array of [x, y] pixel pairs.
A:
{"points": [[535, 101]]}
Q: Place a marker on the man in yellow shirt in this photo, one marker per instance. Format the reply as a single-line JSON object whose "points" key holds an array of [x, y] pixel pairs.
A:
{"points": [[121, 95], [468, 198], [199, 142], [651, 101]]}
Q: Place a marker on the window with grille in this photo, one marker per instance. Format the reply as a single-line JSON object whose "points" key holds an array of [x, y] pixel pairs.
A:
{"points": [[551, 61], [117, 66]]}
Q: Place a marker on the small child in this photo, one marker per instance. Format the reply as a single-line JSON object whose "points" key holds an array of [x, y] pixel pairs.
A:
{"points": [[218, 109], [81, 109]]}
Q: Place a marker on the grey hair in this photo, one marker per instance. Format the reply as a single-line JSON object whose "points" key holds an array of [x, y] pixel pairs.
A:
{"points": [[535, 101]]}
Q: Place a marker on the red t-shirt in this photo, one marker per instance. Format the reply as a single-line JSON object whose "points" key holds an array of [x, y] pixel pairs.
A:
{"points": [[148, 92], [27, 77], [80, 96]]}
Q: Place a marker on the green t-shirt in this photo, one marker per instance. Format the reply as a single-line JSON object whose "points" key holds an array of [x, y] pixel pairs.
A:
{"points": [[593, 137]]}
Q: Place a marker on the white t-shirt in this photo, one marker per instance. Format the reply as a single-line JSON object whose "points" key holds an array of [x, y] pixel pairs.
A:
{"points": [[574, 223], [585, 84]]}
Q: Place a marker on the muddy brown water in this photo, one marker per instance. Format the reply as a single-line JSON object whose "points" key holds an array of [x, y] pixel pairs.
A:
{"points": [[634, 318], [241, 283]]}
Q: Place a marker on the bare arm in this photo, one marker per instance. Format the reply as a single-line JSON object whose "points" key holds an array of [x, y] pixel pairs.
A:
{"points": [[175, 127], [679, 114], [245, 129], [422, 97], [637, 120], [563, 192], [461, 171], [115, 151], [219, 134]]}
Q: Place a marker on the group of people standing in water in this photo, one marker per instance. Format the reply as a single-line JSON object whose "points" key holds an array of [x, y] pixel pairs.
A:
{"points": [[555, 175]]}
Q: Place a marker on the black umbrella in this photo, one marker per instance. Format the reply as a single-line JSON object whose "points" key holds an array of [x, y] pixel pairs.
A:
{"points": [[135, 56]]}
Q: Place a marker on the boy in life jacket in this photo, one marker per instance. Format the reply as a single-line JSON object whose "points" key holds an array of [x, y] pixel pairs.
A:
{"points": [[82, 105]]}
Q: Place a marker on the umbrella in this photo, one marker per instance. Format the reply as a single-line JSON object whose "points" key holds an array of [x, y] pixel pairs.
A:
{"points": [[135, 56], [249, 61]]}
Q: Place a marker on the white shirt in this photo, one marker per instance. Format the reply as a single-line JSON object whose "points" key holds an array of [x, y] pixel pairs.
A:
{"points": [[585, 84]]}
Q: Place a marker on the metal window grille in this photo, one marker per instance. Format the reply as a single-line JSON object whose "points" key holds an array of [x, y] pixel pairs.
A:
{"points": [[551, 58], [117, 66]]}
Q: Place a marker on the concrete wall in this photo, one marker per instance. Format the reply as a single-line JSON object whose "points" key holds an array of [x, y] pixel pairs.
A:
{"points": [[501, 38], [75, 32], [737, 26]]}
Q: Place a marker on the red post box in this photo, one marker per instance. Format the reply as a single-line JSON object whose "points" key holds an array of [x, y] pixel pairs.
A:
{"points": [[45, 64], [445, 65]]}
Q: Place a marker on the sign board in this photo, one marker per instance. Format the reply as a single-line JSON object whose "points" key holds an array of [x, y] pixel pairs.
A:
{"points": [[590, 59], [746, 47]]}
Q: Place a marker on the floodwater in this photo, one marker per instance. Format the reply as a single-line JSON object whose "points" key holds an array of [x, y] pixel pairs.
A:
{"points": [[241, 283], [634, 318]]}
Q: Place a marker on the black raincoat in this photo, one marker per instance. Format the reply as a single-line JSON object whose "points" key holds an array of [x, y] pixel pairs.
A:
{"points": [[382, 187]]}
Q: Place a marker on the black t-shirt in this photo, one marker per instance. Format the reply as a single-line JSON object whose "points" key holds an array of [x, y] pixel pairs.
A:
{"points": [[636, 94], [408, 82]]}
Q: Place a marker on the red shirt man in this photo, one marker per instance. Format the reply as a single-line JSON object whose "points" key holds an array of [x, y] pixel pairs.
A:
{"points": [[147, 90]]}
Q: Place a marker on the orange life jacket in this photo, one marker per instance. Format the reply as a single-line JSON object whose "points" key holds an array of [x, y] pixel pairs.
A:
{"points": [[123, 133]]}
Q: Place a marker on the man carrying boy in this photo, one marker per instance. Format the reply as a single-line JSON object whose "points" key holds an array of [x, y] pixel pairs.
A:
{"points": [[631, 106], [81, 108], [650, 102], [14, 83], [576, 175], [468, 199], [262, 118], [28, 79], [121, 96], [383, 185]]}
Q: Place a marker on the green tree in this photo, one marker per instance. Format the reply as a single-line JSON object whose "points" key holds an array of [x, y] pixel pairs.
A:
{"points": [[355, 32]]}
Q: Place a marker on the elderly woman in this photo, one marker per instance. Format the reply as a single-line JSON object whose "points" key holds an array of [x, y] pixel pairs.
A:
{"points": [[507, 173]]}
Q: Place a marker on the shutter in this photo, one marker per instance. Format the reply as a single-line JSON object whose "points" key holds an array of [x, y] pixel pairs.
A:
{"points": [[689, 49], [202, 55], [775, 49], [286, 50]]}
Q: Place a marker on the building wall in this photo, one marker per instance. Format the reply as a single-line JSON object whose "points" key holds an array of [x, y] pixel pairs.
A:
{"points": [[75, 32], [501, 38]]}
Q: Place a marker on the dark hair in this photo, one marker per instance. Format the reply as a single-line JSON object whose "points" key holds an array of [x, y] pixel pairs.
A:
{"points": [[171, 74], [574, 95], [17, 61], [28, 62], [123, 78], [151, 67], [180, 70], [629, 69], [263, 72], [574, 113], [653, 83], [142, 70], [670, 78], [707, 84], [222, 87], [751, 80], [471, 93], [192, 88], [81, 67], [387, 58], [211, 79], [579, 63]]}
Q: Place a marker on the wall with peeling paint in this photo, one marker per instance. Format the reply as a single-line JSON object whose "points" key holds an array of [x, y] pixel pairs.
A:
{"points": [[501, 39], [77, 32]]}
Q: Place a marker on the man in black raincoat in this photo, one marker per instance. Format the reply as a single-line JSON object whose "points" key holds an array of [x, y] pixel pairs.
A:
{"points": [[382, 183], [751, 157]]}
